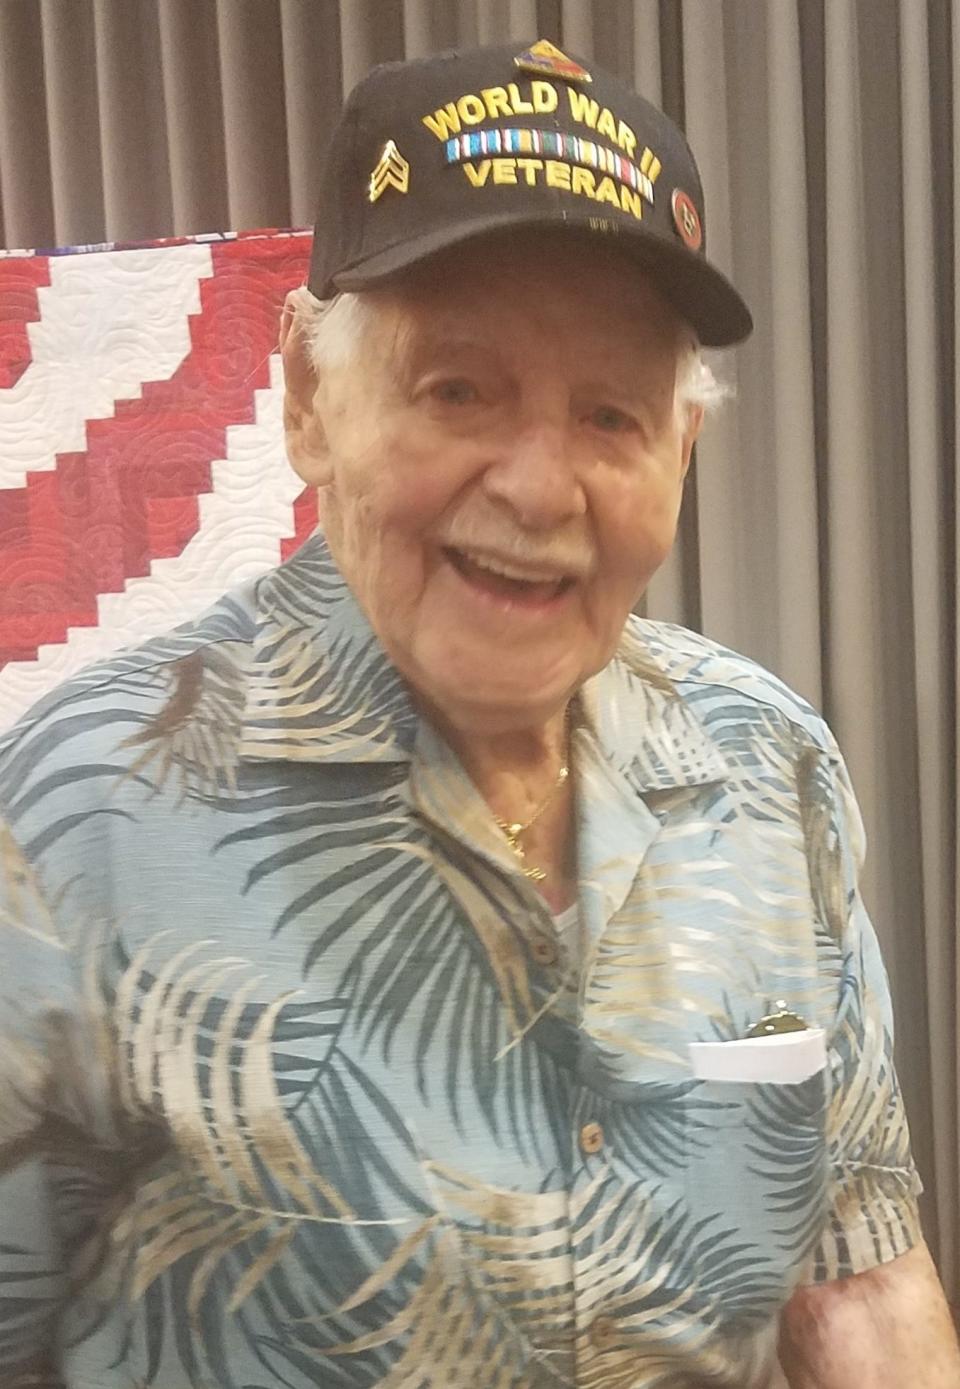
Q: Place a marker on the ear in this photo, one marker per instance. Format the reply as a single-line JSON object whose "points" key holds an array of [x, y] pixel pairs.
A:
{"points": [[305, 436], [694, 423]]}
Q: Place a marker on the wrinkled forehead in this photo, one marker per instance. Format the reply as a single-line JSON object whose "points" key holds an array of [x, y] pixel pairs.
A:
{"points": [[521, 291]]}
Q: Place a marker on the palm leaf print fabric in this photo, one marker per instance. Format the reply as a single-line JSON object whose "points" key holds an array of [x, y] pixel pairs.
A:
{"points": [[300, 1086]]}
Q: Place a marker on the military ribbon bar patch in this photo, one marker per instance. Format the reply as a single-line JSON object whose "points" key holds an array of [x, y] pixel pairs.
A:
{"points": [[520, 140]]}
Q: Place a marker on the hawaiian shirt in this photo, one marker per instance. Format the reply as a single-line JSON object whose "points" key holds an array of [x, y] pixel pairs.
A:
{"points": [[301, 1085]]}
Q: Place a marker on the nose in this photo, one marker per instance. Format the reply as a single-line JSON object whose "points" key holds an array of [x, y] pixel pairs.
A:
{"points": [[536, 477]]}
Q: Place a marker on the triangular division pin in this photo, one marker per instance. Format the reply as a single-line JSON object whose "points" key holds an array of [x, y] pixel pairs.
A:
{"points": [[547, 61], [390, 171]]}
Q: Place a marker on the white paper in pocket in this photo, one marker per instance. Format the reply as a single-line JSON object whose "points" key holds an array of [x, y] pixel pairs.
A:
{"points": [[783, 1059]]}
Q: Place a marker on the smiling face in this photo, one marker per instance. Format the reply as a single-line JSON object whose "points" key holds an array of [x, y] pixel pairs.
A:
{"points": [[500, 471]]}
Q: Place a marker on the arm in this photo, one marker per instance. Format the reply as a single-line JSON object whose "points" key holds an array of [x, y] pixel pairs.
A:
{"points": [[874, 1315], [887, 1328]]}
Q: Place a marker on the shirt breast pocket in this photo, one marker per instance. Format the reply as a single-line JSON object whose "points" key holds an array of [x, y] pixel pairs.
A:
{"points": [[758, 1177]]}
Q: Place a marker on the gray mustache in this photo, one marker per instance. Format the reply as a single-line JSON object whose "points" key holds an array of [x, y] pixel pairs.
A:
{"points": [[488, 530], [575, 559]]}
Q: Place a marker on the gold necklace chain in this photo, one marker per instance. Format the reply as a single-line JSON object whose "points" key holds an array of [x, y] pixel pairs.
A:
{"points": [[513, 830]]}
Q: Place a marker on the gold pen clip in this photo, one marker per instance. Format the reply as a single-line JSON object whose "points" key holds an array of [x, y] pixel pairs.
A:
{"points": [[774, 1024]]}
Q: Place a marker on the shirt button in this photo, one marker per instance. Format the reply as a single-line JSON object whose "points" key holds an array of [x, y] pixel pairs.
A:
{"points": [[602, 1332], [591, 1138], [544, 951]]}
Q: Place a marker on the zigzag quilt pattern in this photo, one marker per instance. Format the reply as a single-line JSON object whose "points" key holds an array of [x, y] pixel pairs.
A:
{"points": [[142, 470]]}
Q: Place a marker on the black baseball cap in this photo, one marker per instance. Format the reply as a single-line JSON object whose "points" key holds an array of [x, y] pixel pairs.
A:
{"points": [[432, 153]]}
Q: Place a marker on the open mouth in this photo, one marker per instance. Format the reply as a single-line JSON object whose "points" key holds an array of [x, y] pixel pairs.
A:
{"points": [[502, 579]]}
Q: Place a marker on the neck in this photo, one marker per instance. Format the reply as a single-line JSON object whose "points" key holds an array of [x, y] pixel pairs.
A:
{"points": [[518, 773], [524, 757]]}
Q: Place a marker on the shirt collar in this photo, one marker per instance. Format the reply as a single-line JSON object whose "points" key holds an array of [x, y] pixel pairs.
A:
{"points": [[643, 727], [321, 689]]}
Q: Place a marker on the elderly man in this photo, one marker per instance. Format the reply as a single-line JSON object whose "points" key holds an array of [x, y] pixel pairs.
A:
{"points": [[421, 972]]}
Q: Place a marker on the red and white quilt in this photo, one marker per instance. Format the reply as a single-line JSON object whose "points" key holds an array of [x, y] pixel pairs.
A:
{"points": [[142, 470]]}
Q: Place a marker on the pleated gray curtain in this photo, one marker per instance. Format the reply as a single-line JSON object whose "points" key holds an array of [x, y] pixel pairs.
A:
{"points": [[820, 527]]}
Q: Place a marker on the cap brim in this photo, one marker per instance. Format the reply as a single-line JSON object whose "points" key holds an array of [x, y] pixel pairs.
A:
{"points": [[699, 292]]}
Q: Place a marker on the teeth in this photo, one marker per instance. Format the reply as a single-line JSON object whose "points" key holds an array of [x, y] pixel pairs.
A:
{"points": [[507, 571]]}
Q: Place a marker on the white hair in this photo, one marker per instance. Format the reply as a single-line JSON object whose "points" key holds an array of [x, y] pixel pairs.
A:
{"points": [[334, 330], [697, 387]]}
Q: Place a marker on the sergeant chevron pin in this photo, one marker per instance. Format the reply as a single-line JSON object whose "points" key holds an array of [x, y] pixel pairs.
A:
{"points": [[390, 171]]}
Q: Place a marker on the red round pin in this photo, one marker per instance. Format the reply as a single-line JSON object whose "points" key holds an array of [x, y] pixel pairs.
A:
{"points": [[686, 219]]}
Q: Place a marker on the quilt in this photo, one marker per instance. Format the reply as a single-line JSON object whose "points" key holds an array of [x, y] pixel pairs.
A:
{"points": [[142, 468]]}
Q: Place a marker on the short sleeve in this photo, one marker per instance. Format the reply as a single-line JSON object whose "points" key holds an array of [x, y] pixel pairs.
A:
{"points": [[874, 1186]]}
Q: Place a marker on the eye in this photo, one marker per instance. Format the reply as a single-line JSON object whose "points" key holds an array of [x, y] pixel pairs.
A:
{"points": [[611, 419], [455, 390]]}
